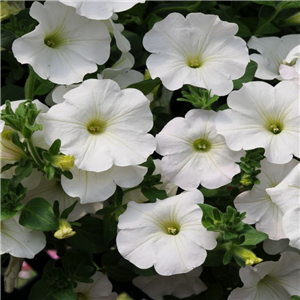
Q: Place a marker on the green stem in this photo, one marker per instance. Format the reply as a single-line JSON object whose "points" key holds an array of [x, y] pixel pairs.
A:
{"points": [[35, 154], [259, 29], [29, 85], [131, 189]]}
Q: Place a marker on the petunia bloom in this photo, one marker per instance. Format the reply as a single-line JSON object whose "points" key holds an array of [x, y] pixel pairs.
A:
{"points": [[180, 286], [270, 280], [100, 9], [273, 52], [100, 289], [93, 187], [64, 46], [260, 209], [263, 116], [102, 126], [20, 241], [167, 234], [290, 67], [194, 153], [287, 196], [200, 50]]}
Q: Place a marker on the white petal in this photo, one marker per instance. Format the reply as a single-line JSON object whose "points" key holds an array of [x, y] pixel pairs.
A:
{"points": [[18, 242]]}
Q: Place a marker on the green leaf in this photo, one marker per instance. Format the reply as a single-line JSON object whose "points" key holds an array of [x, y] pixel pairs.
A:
{"points": [[78, 265], [146, 86], [154, 193], [7, 213], [295, 297], [41, 291], [54, 149], [111, 262], [89, 235], [288, 4], [247, 77], [214, 193], [252, 236], [7, 37], [50, 171], [43, 86], [227, 257], [65, 294], [109, 227], [68, 210], [38, 214], [268, 3]]}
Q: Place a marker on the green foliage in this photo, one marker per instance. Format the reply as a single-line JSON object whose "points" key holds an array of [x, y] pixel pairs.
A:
{"points": [[59, 283], [247, 77], [199, 98], [23, 120], [89, 235], [11, 196], [146, 86], [249, 164], [235, 237], [38, 214]]}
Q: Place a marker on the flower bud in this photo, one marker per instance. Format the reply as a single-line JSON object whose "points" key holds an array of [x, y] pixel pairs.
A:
{"points": [[11, 7], [65, 230], [63, 162], [293, 20], [247, 255]]}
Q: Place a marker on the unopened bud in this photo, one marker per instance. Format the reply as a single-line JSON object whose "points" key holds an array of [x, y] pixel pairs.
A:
{"points": [[63, 162], [64, 231], [247, 255]]}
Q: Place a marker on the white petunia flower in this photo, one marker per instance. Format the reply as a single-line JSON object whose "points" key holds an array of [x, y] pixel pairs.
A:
{"points": [[260, 209], [194, 153], [200, 50], [100, 289], [168, 234], [290, 68], [263, 116], [274, 51], [271, 280], [102, 126], [19, 241], [180, 286], [116, 30], [121, 72], [96, 187], [137, 196], [100, 9], [287, 196], [291, 226], [52, 190], [274, 247], [64, 46]]}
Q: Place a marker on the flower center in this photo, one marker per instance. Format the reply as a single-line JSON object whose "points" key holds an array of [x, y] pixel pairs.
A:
{"points": [[275, 128], [96, 127], [81, 296], [194, 63], [50, 43], [172, 230], [202, 145]]}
